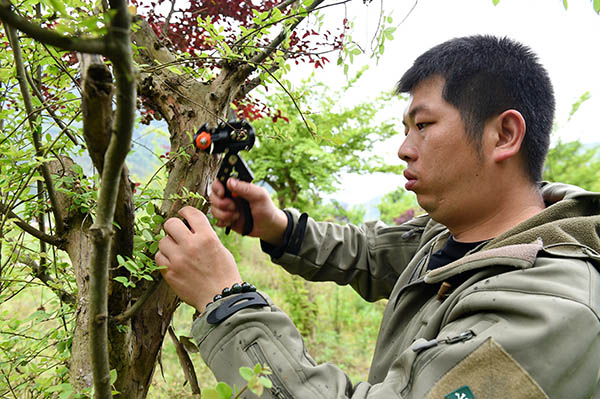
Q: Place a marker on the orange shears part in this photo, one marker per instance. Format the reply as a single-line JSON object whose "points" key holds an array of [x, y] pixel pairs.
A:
{"points": [[203, 140]]}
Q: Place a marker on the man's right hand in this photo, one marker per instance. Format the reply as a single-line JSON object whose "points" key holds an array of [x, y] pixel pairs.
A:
{"points": [[270, 222]]}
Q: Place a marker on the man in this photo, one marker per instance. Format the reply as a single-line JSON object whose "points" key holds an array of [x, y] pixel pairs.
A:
{"points": [[495, 293]]}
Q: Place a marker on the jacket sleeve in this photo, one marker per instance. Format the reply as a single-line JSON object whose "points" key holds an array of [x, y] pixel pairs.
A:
{"points": [[500, 339], [369, 257], [267, 336]]}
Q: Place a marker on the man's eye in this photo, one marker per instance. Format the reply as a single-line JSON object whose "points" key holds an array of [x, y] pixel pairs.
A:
{"points": [[421, 125]]}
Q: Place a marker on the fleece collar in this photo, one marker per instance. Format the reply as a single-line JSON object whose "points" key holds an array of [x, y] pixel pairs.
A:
{"points": [[519, 256]]}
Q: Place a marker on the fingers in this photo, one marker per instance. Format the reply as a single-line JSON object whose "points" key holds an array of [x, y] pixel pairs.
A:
{"points": [[248, 191], [161, 260], [196, 219], [222, 208], [217, 188], [166, 247], [176, 229]]}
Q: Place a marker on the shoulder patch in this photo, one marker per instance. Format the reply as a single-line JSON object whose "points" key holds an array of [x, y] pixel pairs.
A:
{"points": [[461, 393], [487, 372]]}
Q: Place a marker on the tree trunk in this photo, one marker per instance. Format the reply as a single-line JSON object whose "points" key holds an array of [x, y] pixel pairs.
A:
{"points": [[185, 104], [79, 248]]}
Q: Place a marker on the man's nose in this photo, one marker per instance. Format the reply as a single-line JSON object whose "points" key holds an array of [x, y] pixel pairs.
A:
{"points": [[407, 151]]}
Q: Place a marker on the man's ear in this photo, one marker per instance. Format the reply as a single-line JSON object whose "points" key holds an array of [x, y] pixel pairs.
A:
{"points": [[508, 135]]}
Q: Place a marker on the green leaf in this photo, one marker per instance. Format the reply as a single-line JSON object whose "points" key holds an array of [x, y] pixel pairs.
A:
{"points": [[495, 2], [121, 279], [224, 390], [257, 368], [147, 235], [150, 209], [389, 33], [59, 6], [210, 393], [78, 169], [132, 267], [266, 382], [256, 386], [175, 69], [246, 373], [597, 6], [566, 4], [113, 376], [125, 281]]}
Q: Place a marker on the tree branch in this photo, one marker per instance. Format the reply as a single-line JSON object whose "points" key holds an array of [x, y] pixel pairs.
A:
{"points": [[293, 100], [41, 273], [259, 58], [165, 29], [131, 311], [119, 52], [57, 120], [186, 363], [47, 36], [20, 68], [23, 225]]}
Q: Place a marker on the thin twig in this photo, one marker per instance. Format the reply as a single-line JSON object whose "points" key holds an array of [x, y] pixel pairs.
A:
{"points": [[64, 69], [8, 383], [41, 273], [293, 100], [167, 23], [298, 15], [133, 309], [44, 171], [186, 363], [47, 36], [52, 114], [52, 240], [409, 13], [378, 26], [259, 58]]}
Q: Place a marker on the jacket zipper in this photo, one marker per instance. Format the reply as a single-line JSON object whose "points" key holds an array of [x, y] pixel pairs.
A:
{"points": [[257, 355], [419, 347]]}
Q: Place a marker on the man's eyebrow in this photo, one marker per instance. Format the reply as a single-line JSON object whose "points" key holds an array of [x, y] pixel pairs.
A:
{"points": [[411, 114], [417, 109]]}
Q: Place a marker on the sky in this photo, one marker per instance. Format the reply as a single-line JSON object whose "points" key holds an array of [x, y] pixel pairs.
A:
{"points": [[566, 42]]}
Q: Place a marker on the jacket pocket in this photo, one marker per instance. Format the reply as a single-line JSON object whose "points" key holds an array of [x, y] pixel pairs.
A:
{"points": [[428, 350], [257, 355]]}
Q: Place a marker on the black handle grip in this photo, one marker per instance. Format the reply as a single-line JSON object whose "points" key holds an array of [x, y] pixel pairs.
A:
{"points": [[234, 166]]}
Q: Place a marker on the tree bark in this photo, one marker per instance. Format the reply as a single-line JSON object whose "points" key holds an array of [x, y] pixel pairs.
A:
{"points": [[79, 248]]}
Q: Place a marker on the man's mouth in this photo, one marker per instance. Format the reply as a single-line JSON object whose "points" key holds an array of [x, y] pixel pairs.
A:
{"points": [[411, 179]]}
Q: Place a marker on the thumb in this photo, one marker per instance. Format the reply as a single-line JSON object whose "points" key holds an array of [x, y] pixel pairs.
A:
{"points": [[248, 191]]}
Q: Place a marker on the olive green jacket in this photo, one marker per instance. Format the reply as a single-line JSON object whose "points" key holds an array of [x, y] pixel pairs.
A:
{"points": [[517, 317]]}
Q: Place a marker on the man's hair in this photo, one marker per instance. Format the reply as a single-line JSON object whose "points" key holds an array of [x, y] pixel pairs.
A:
{"points": [[485, 76]]}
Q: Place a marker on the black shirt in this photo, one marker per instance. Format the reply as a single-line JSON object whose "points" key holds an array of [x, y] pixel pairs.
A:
{"points": [[452, 251]]}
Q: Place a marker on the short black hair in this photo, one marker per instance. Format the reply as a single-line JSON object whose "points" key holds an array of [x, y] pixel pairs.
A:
{"points": [[485, 76]]}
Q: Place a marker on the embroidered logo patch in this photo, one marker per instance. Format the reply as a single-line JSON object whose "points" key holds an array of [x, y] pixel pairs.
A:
{"points": [[461, 393]]}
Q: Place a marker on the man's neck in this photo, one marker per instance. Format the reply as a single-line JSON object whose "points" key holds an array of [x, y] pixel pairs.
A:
{"points": [[509, 211]]}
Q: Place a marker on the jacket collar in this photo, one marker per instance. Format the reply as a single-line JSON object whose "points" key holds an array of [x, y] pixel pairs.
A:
{"points": [[519, 256]]}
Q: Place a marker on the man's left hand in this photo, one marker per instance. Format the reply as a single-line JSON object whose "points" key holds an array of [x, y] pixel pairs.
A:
{"points": [[198, 266]]}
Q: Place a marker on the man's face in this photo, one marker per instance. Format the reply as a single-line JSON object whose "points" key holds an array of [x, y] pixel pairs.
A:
{"points": [[444, 168]]}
